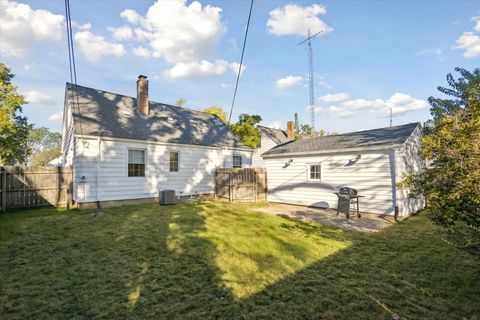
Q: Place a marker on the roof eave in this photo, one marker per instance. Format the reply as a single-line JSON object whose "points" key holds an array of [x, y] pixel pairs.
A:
{"points": [[346, 150]]}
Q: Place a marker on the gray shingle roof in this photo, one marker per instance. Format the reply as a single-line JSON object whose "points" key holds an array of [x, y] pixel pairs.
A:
{"points": [[369, 139], [114, 115], [277, 135]]}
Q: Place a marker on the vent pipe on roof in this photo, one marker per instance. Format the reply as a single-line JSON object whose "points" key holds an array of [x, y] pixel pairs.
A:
{"points": [[142, 95]]}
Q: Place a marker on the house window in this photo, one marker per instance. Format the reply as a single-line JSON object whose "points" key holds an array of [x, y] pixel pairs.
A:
{"points": [[315, 172], [237, 161], [173, 161], [136, 163]]}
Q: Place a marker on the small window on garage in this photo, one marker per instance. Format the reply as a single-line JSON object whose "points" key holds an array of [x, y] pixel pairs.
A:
{"points": [[315, 172], [237, 161], [174, 161], [136, 163]]}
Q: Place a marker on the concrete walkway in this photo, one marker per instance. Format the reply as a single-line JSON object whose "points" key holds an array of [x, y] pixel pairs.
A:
{"points": [[369, 222]]}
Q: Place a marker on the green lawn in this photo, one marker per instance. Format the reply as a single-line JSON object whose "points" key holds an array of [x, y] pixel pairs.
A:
{"points": [[206, 260]]}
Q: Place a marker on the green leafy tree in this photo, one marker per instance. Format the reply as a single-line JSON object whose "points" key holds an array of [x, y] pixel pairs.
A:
{"points": [[452, 147], [44, 145], [217, 111], [14, 128], [180, 102], [246, 129]]}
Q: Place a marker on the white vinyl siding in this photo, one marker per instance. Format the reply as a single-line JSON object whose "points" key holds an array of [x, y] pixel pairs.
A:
{"points": [[371, 175], [266, 143], [196, 169], [408, 162]]}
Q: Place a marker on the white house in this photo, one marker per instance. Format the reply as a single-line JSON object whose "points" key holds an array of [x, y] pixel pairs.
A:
{"points": [[308, 171], [125, 148], [269, 138]]}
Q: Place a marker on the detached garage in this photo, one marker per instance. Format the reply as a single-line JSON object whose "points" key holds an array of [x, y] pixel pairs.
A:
{"points": [[310, 170]]}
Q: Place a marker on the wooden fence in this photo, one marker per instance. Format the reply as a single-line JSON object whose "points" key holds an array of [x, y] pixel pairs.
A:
{"points": [[242, 185], [29, 187]]}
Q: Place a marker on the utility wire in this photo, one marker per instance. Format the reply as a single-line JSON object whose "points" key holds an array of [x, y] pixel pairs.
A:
{"points": [[241, 62], [72, 64]]}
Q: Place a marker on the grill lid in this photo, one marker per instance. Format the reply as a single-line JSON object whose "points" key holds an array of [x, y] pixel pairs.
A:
{"points": [[348, 191]]}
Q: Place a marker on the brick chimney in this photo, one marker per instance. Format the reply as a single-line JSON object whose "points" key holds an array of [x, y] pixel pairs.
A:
{"points": [[290, 133], [142, 95]]}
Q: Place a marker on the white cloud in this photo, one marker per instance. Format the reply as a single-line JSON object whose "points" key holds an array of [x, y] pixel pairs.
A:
{"points": [[86, 26], [470, 42], [179, 32], [275, 125], [122, 33], [432, 52], [296, 20], [130, 15], [94, 47], [334, 97], [21, 27], [38, 97], [340, 112], [57, 116], [225, 85], [476, 20], [203, 68], [399, 103], [288, 82], [141, 52], [359, 104]]}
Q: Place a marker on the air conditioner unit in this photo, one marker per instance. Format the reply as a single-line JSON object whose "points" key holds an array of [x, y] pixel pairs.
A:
{"points": [[167, 197]]}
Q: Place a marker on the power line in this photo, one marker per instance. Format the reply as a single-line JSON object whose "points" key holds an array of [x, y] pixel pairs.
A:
{"points": [[241, 62], [71, 61]]}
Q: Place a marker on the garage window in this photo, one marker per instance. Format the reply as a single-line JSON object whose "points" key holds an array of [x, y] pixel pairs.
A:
{"points": [[315, 172]]}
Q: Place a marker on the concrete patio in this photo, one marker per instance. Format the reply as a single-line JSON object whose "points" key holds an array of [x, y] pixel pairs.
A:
{"points": [[369, 222]]}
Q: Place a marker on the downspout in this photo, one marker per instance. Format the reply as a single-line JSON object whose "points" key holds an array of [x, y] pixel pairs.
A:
{"points": [[99, 140], [394, 185]]}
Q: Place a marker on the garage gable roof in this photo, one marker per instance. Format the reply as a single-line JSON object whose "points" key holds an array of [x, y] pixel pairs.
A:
{"points": [[386, 138]]}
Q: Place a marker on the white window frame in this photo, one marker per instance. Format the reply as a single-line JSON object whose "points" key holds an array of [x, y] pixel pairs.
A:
{"points": [[145, 157], [178, 160], [241, 161], [309, 168]]}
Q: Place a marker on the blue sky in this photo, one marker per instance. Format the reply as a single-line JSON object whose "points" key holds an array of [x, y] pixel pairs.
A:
{"points": [[372, 55]]}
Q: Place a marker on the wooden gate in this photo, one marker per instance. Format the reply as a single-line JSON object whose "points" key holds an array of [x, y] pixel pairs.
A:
{"points": [[242, 185], [28, 187]]}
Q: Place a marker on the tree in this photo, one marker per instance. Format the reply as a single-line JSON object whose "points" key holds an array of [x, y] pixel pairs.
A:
{"points": [[217, 111], [246, 129], [180, 102], [14, 128], [452, 146], [44, 145]]}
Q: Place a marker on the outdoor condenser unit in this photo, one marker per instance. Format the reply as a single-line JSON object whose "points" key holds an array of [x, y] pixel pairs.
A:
{"points": [[167, 197]]}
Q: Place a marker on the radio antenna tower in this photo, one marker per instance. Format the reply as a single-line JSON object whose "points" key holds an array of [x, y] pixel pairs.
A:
{"points": [[308, 41]]}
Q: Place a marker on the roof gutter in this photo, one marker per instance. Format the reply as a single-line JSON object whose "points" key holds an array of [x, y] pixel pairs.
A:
{"points": [[317, 152], [91, 137]]}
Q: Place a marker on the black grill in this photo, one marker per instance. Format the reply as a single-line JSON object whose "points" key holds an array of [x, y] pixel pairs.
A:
{"points": [[348, 191], [347, 198]]}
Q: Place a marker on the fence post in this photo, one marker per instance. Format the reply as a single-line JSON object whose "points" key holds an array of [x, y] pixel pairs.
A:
{"points": [[4, 190]]}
